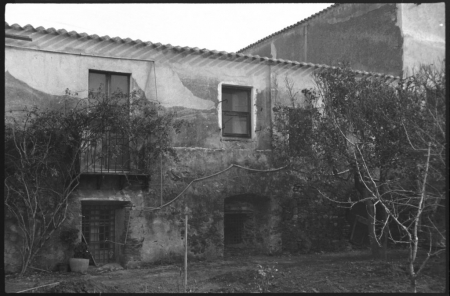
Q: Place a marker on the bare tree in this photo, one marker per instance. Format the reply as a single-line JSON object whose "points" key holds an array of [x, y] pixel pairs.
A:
{"points": [[388, 140]]}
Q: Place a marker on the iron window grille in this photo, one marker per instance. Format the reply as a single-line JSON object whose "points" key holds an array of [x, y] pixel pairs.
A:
{"points": [[236, 112], [98, 229]]}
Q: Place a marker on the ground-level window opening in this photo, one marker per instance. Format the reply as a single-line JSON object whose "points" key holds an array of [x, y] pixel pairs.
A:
{"points": [[98, 229]]}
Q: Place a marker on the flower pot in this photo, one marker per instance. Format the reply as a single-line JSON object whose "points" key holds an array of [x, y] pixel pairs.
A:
{"points": [[79, 264]]}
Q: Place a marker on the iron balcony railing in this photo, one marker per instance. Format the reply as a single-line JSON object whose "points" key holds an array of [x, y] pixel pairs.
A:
{"points": [[112, 153]]}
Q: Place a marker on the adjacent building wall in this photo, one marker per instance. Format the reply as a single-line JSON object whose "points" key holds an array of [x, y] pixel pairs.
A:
{"points": [[385, 38]]}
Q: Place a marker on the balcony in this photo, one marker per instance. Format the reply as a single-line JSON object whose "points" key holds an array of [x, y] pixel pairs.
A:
{"points": [[112, 153]]}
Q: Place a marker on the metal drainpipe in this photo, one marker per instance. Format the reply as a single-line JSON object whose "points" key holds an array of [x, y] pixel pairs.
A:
{"points": [[306, 43], [270, 99]]}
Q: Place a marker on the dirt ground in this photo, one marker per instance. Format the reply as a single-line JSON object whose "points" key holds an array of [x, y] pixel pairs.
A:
{"points": [[352, 271]]}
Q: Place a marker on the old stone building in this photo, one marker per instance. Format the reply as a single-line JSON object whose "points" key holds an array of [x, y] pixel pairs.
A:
{"points": [[390, 38], [225, 177]]}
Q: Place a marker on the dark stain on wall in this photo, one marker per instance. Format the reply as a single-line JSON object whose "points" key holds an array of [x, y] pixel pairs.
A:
{"points": [[19, 94], [202, 87], [199, 126]]}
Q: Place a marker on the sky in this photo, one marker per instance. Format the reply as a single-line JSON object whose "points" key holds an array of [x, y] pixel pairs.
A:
{"points": [[222, 27]]}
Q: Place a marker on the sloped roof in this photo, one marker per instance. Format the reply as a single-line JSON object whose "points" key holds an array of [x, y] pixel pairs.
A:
{"points": [[291, 26], [137, 45]]}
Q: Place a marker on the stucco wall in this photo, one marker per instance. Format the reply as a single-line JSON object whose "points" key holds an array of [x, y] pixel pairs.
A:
{"points": [[205, 199]]}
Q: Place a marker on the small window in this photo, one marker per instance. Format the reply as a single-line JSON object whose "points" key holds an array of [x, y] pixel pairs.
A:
{"points": [[236, 119]]}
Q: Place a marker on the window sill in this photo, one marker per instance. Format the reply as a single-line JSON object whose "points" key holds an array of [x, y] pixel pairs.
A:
{"points": [[236, 139], [121, 173]]}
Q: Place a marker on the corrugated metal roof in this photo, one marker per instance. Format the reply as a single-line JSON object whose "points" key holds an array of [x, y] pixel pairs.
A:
{"points": [[291, 26], [57, 40]]}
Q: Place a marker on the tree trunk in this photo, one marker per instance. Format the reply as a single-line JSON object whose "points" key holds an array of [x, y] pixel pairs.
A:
{"points": [[384, 237], [413, 285], [384, 217], [371, 218], [25, 263], [371, 228]]}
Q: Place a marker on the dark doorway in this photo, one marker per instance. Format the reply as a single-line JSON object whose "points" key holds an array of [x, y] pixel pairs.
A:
{"points": [[234, 224], [245, 222], [99, 231]]}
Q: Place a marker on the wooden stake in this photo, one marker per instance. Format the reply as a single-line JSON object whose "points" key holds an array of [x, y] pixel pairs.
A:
{"points": [[87, 246], [39, 269], [161, 167], [38, 287], [185, 248]]}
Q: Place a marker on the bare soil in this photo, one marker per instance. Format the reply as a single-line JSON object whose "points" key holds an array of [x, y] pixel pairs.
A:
{"points": [[352, 271]]}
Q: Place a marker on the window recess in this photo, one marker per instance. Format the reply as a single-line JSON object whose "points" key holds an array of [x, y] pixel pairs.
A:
{"points": [[111, 152], [236, 112]]}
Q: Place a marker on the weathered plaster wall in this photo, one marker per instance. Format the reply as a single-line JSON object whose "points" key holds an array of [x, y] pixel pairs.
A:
{"points": [[158, 235], [205, 200], [53, 73], [185, 82], [187, 77], [423, 30]]}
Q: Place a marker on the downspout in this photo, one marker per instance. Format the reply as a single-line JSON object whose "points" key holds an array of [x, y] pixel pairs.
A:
{"points": [[306, 44], [271, 102], [399, 24]]}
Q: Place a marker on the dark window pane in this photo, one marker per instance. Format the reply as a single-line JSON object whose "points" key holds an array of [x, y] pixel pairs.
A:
{"points": [[235, 100], [235, 124], [235, 112], [97, 81], [119, 86], [119, 83]]}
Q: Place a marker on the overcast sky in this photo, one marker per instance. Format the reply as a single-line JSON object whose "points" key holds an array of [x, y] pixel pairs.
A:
{"points": [[223, 27]]}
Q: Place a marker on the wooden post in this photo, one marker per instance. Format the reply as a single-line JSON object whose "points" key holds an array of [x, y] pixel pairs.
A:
{"points": [[161, 170], [185, 247]]}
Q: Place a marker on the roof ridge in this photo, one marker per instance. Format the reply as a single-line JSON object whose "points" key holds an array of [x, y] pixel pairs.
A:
{"points": [[75, 34], [291, 26]]}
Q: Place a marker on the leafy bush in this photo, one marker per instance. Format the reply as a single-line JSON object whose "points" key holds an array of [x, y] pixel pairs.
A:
{"points": [[81, 251]]}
